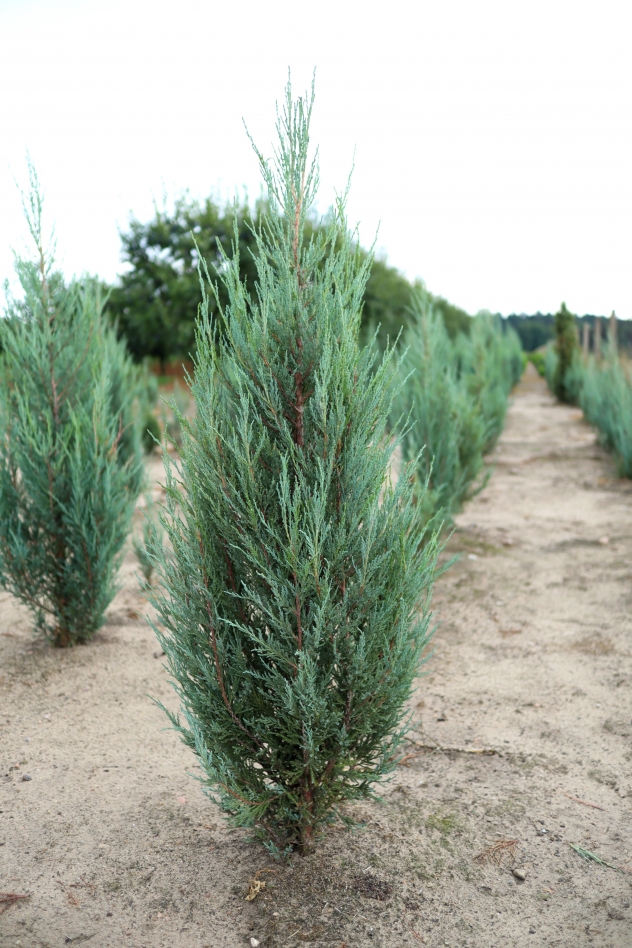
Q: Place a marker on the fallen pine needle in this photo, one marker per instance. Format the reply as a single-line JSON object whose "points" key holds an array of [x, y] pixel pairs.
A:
{"points": [[7, 899], [402, 762], [72, 898], [591, 857], [417, 936], [497, 851], [595, 806]]}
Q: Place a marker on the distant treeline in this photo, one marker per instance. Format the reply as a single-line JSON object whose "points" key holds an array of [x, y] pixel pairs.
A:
{"points": [[535, 331]]}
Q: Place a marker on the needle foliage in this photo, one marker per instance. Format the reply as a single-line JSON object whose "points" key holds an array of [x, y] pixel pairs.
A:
{"points": [[294, 590], [491, 361], [567, 351], [605, 396], [602, 387], [453, 395], [70, 455], [445, 432]]}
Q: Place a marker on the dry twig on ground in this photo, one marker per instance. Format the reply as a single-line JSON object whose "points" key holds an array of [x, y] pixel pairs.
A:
{"points": [[72, 898], [486, 751], [595, 806], [7, 899], [496, 852]]}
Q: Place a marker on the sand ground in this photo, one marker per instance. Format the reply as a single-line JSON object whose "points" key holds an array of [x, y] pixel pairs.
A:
{"points": [[116, 846]]}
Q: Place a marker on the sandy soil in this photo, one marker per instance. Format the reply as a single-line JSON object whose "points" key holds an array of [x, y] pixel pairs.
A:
{"points": [[116, 845]]}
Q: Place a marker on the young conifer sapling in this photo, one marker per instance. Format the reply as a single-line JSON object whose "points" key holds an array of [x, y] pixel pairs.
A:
{"points": [[293, 595], [70, 455], [567, 350]]}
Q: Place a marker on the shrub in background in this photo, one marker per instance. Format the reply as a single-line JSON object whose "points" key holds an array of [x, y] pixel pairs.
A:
{"points": [[550, 367], [148, 396], [606, 400], [152, 432], [445, 431], [537, 359], [295, 593], [152, 535], [70, 456], [491, 362], [566, 350], [175, 407], [602, 387], [573, 376]]}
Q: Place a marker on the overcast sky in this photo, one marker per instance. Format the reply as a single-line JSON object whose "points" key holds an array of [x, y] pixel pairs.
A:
{"points": [[493, 140]]}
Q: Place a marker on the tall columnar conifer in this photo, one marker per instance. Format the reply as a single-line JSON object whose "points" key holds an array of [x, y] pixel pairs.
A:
{"points": [[567, 350], [70, 455], [293, 600]]}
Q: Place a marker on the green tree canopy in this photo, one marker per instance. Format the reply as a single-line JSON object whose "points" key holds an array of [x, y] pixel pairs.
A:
{"points": [[155, 302]]}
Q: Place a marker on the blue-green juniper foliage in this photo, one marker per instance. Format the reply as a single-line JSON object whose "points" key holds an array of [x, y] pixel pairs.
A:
{"points": [[294, 590], [602, 387], [455, 392], [70, 453]]}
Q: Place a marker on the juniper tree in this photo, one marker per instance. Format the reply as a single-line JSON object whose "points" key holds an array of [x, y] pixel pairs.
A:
{"points": [[293, 595], [491, 362], [151, 531], [567, 350], [454, 392], [70, 457], [604, 392], [447, 433]]}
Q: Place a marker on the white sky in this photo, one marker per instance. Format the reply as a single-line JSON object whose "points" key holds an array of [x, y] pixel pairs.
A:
{"points": [[493, 138]]}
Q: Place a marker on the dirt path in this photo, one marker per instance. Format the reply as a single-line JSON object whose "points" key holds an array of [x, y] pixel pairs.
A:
{"points": [[115, 843]]}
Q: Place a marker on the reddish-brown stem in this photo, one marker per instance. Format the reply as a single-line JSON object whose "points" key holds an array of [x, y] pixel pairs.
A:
{"points": [[348, 709], [299, 407], [117, 440], [238, 796], [220, 680], [231, 578], [299, 627], [218, 667]]}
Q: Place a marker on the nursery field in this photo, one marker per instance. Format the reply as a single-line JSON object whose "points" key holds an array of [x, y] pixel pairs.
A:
{"points": [[522, 750]]}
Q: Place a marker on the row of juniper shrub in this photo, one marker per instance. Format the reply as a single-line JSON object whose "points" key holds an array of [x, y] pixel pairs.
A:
{"points": [[452, 399], [601, 384]]}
